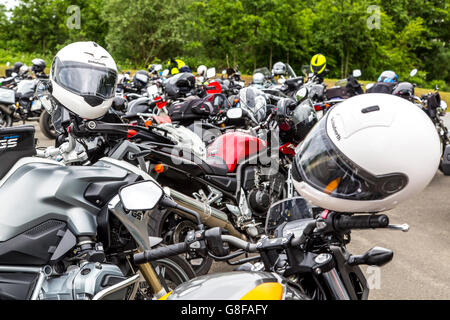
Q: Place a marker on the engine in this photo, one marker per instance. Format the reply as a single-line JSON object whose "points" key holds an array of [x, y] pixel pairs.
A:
{"points": [[83, 282], [262, 190]]}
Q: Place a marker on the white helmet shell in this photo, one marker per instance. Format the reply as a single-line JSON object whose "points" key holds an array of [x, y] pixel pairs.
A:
{"points": [[84, 78], [201, 70], [368, 154], [23, 70], [258, 78]]}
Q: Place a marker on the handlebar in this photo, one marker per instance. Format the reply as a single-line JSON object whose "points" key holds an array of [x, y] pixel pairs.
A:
{"points": [[160, 253], [340, 223], [343, 222]]}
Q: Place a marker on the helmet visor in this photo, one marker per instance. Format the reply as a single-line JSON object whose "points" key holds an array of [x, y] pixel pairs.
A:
{"points": [[320, 164], [85, 79]]}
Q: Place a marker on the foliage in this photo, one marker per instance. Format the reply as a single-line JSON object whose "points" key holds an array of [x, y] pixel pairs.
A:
{"points": [[248, 33]]}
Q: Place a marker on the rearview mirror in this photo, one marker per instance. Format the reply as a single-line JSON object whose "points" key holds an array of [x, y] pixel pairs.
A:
{"points": [[301, 94], [8, 64], [413, 73], [210, 73], [234, 113], [158, 67], [356, 73], [143, 195], [374, 257]]}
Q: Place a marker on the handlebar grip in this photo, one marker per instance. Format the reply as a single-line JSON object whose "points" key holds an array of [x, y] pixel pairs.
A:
{"points": [[160, 253], [239, 243], [344, 222]]}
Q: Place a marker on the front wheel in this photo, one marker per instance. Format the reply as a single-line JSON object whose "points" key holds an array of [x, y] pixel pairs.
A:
{"points": [[5, 120], [171, 271], [173, 229], [45, 123]]}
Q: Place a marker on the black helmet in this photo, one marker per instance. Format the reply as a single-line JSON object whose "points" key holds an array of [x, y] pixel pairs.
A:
{"points": [[38, 65], [295, 120], [16, 67], [180, 84], [141, 78]]}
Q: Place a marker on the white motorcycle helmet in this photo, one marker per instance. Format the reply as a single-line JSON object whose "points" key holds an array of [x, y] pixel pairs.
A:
{"points": [[23, 70], [201, 71], [258, 78], [279, 69], [84, 78], [368, 154]]}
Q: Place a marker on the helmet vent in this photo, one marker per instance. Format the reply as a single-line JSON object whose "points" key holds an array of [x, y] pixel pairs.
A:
{"points": [[370, 109], [93, 101]]}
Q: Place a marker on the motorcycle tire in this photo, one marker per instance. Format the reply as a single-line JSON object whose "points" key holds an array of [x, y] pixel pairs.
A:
{"points": [[5, 120], [176, 271], [158, 228], [46, 125]]}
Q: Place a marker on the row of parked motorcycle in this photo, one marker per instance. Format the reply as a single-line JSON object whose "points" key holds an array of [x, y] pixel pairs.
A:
{"points": [[155, 176]]}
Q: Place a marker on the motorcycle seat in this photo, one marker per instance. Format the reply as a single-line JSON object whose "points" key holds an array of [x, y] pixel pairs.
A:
{"points": [[215, 166]]}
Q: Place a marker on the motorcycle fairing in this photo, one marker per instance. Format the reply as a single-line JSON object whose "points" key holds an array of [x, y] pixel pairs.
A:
{"points": [[37, 190], [231, 286]]}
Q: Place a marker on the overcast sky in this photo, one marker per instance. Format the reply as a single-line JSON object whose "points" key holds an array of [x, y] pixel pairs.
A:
{"points": [[8, 3]]}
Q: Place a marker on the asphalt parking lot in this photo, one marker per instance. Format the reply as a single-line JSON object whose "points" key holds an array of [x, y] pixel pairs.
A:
{"points": [[421, 256]]}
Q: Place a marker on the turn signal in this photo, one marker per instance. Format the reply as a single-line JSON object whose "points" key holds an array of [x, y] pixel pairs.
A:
{"points": [[148, 123], [131, 133], [159, 168]]}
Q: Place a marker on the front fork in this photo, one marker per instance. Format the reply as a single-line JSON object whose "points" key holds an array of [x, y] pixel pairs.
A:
{"points": [[335, 285], [150, 276], [139, 231]]}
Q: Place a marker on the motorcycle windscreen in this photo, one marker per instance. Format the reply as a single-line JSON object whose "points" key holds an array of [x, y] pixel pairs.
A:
{"points": [[287, 210]]}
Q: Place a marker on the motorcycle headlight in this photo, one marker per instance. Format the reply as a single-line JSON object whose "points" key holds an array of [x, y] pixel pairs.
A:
{"points": [[443, 105]]}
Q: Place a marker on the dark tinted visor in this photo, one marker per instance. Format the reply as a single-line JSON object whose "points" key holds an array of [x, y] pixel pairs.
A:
{"points": [[324, 167]]}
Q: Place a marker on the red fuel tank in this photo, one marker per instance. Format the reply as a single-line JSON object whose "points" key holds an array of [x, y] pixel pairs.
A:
{"points": [[234, 147]]}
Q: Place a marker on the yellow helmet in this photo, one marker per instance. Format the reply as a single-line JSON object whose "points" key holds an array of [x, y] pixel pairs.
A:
{"points": [[175, 65], [318, 63]]}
